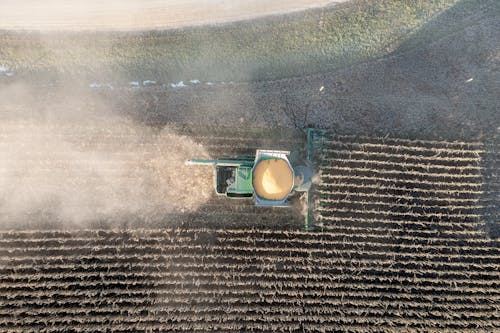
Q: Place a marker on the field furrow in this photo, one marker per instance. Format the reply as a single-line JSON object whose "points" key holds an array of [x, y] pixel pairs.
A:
{"points": [[253, 297], [352, 250], [407, 147], [186, 293], [430, 144], [18, 248], [329, 163]]}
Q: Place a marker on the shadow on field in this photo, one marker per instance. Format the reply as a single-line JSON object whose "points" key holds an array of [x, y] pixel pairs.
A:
{"points": [[490, 199], [441, 82]]}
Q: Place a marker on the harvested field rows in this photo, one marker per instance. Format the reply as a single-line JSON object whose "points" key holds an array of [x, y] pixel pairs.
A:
{"points": [[403, 243], [265, 280]]}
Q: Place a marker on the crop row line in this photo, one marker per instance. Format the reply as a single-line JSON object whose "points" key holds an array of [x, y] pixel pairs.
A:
{"points": [[405, 157], [184, 233], [177, 311], [386, 215], [331, 240], [428, 192], [239, 326], [85, 244], [405, 224], [325, 178], [460, 216], [344, 288], [176, 235], [439, 236], [397, 198], [220, 315], [347, 202], [367, 248], [252, 299], [318, 272], [363, 146], [467, 230], [335, 241], [467, 237], [181, 289], [159, 263], [397, 141], [409, 173], [330, 163], [260, 275]]}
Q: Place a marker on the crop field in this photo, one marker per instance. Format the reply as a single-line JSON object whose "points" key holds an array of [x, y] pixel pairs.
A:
{"points": [[414, 185], [402, 244], [104, 228], [202, 280]]}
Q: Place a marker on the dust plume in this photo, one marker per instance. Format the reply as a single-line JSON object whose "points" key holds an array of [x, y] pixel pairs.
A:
{"points": [[63, 166]]}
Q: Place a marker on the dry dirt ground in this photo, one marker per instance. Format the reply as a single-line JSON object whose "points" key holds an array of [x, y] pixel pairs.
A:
{"points": [[138, 14]]}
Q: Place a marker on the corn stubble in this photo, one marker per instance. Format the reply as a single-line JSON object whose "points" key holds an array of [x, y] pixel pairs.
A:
{"points": [[401, 246]]}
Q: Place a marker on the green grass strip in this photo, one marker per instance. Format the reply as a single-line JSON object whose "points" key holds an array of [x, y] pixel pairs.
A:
{"points": [[269, 48]]}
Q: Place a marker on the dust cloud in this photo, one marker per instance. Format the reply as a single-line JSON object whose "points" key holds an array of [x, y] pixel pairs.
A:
{"points": [[62, 166]]}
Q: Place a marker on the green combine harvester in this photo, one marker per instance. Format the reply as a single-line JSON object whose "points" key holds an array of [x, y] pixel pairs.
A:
{"points": [[270, 178]]}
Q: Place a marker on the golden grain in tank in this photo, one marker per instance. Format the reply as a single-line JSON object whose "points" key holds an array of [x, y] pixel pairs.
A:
{"points": [[272, 179]]}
